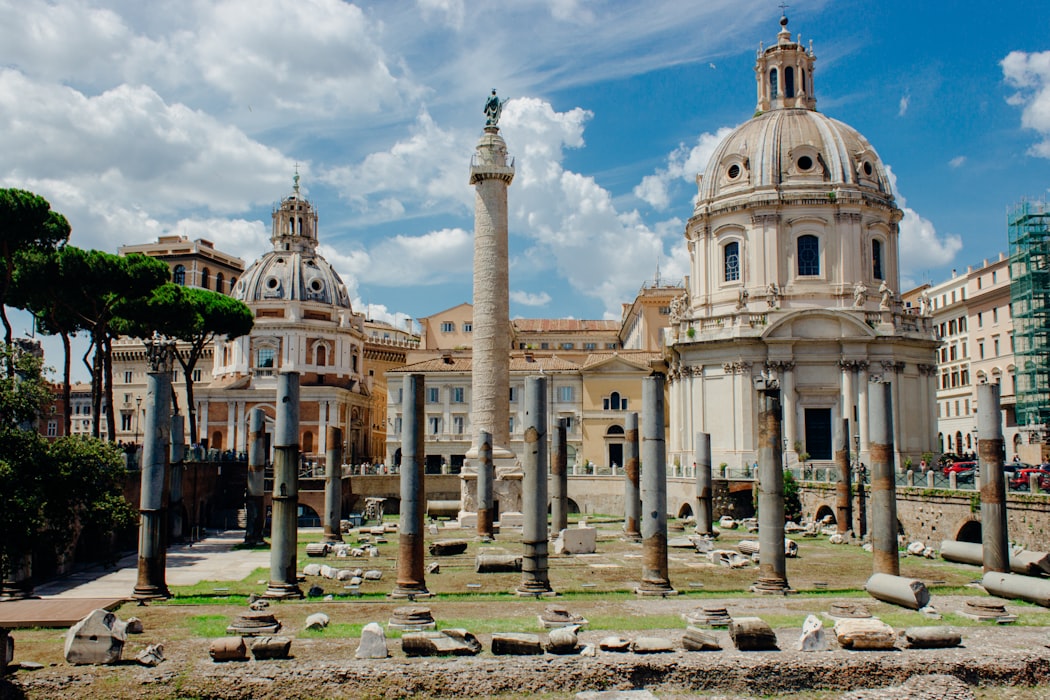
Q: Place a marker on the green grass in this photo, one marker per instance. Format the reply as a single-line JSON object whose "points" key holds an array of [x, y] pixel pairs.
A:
{"points": [[207, 625]]}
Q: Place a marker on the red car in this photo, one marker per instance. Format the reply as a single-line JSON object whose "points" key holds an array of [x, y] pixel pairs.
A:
{"points": [[960, 467], [1020, 480]]}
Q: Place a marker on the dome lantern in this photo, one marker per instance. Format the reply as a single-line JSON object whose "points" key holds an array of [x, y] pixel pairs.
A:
{"points": [[294, 223], [784, 73]]}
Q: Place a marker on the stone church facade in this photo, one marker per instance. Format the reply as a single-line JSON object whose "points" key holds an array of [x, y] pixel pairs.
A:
{"points": [[794, 275]]}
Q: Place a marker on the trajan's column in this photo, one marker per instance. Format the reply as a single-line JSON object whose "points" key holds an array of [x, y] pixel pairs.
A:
{"points": [[491, 175]]}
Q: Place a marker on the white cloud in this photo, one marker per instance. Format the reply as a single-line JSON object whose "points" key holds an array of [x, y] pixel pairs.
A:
{"points": [[120, 163], [451, 11], [902, 107], [427, 171], [1030, 74], [920, 245], [401, 261], [684, 163], [957, 161], [530, 299]]}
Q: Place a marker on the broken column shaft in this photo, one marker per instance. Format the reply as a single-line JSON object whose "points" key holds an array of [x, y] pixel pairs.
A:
{"points": [[485, 474], [534, 580], [772, 567], [704, 505], [559, 479], [631, 492], [993, 486], [883, 481], [253, 503], [844, 487], [655, 580], [178, 459], [333, 485], [154, 495], [411, 576], [284, 522]]}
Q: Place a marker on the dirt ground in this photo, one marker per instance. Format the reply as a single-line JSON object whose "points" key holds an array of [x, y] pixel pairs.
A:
{"points": [[995, 662]]}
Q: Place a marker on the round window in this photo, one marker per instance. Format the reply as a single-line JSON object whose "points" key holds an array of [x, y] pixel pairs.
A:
{"points": [[272, 283], [733, 172], [868, 169], [805, 163], [316, 286]]}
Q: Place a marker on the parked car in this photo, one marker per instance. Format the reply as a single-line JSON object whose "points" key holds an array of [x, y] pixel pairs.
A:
{"points": [[1021, 479], [958, 467]]}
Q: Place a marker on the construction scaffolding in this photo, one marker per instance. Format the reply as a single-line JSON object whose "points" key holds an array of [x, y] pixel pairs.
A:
{"points": [[1029, 229]]}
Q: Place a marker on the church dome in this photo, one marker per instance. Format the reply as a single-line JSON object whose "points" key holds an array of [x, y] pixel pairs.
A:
{"points": [[789, 147], [793, 149], [293, 270]]}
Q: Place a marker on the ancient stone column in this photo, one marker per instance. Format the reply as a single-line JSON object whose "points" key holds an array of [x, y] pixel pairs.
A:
{"points": [[490, 374], [256, 517], [655, 580], [156, 437], [559, 479], [284, 521], [990, 451], [631, 492], [883, 484], [177, 461], [411, 581], [844, 486], [704, 505], [485, 474], [534, 579], [333, 484], [772, 567]]}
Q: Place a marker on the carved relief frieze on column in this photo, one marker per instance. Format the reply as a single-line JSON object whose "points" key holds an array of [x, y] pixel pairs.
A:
{"points": [[780, 366], [736, 367], [927, 370], [889, 366], [696, 370], [849, 365]]}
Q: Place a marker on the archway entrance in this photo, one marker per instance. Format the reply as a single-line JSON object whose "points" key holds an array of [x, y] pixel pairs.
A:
{"points": [[614, 438]]}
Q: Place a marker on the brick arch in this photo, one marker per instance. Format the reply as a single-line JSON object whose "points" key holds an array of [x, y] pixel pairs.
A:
{"points": [[969, 530], [824, 510], [685, 511], [821, 508]]}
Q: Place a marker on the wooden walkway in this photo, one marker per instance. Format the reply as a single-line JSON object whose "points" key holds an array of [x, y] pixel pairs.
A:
{"points": [[51, 612]]}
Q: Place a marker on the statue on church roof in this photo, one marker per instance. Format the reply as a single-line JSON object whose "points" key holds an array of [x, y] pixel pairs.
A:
{"points": [[860, 295], [887, 296], [493, 109]]}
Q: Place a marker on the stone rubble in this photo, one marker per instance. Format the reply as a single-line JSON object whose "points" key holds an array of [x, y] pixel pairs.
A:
{"points": [[813, 638], [97, 639], [373, 643]]}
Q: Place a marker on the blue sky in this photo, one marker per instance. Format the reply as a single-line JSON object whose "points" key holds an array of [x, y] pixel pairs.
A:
{"points": [[179, 116]]}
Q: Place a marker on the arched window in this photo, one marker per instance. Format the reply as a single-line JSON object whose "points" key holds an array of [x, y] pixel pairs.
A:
{"points": [[789, 82], [958, 440], [731, 262], [808, 256], [233, 283], [205, 278], [802, 79], [773, 84], [178, 276], [219, 282], [614, 430], [876, 259], [614, 402], [308, 441], [322, 355]]}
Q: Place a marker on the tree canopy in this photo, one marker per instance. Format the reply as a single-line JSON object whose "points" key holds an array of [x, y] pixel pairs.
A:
{"points": [[192, 315], [49, 491], [26, 223]]}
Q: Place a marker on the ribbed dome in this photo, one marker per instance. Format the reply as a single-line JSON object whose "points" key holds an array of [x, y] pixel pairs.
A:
{"points": [[793, 149], [292, 276]]}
